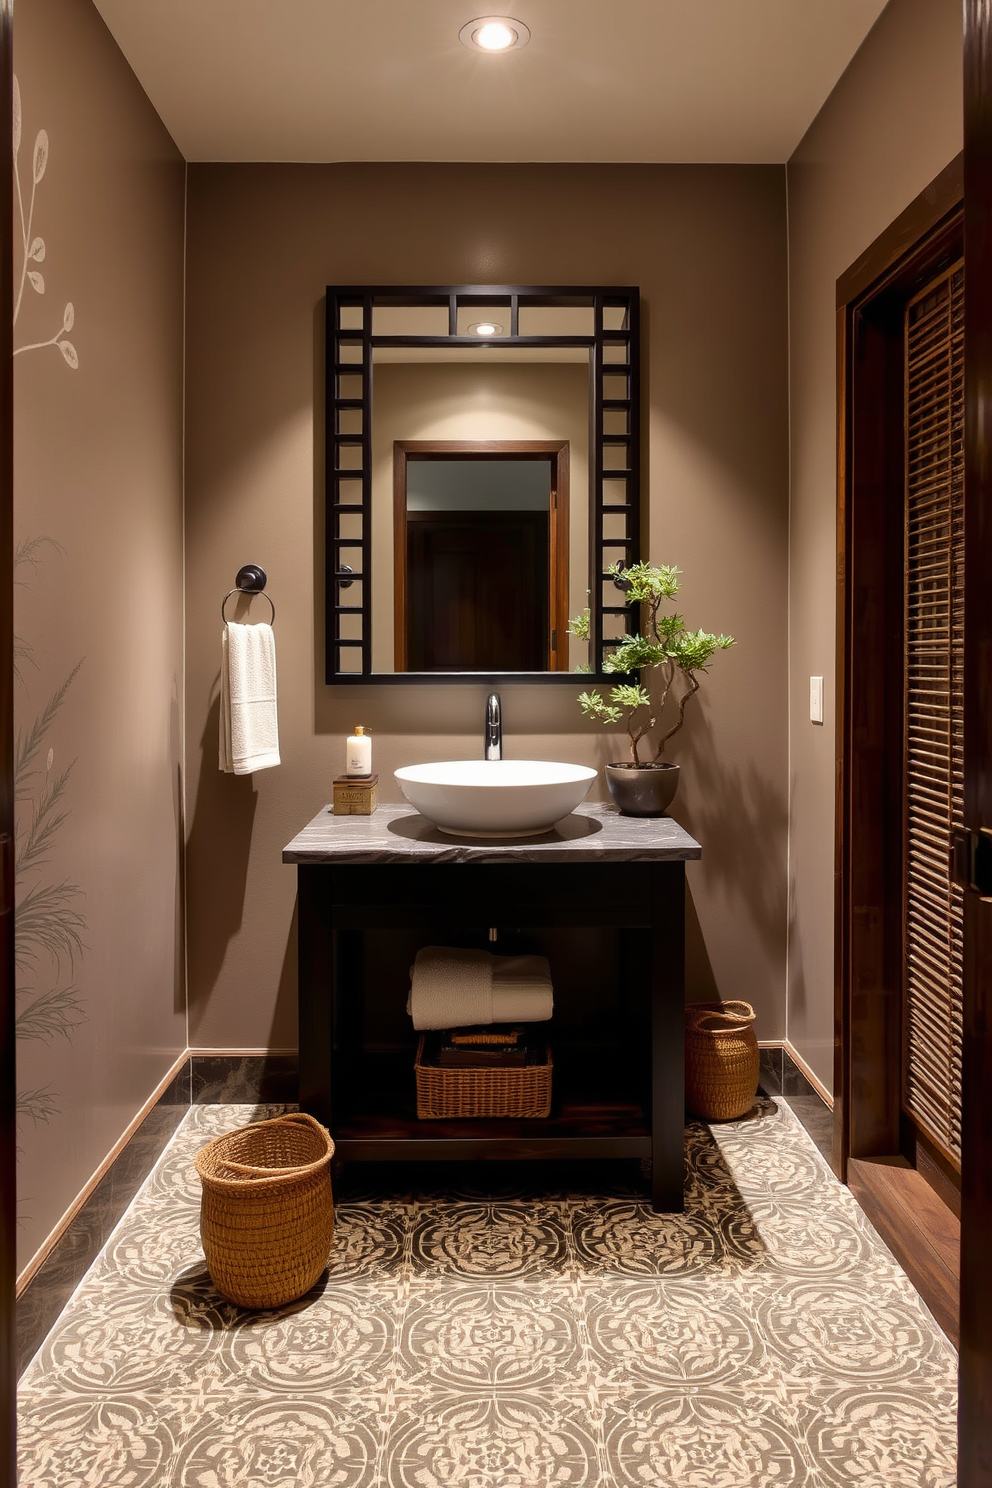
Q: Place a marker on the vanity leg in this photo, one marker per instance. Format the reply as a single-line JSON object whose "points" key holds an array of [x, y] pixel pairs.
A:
{"points": [[316, 989], [667, 1038]]}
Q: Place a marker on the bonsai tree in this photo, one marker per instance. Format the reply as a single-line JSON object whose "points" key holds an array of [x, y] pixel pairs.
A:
{"points": [[679, 655]]}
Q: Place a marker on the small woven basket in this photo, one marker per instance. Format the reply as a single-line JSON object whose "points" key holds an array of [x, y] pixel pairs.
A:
{"points": [[266, 1212], [445, 1093], [721, 1060]]}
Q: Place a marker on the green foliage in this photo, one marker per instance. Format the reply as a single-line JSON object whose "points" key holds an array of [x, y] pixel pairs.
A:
{"points": [[579, 627], [632, 653], [593, 706], [646, 583], [664, 644]]}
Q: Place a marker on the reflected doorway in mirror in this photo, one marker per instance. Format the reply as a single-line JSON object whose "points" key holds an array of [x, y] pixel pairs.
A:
{"points": [[480, 549]]}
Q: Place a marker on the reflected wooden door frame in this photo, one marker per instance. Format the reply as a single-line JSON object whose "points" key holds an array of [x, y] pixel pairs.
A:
{"points": [[557, 452]]}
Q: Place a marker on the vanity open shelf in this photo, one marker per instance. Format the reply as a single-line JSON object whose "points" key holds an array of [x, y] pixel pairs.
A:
{"points": [[618, 1087], [589, 1116]]}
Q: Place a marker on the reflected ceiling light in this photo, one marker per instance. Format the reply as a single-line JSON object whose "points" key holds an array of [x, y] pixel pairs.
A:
{"points": [[494, 34], [485, 328]]}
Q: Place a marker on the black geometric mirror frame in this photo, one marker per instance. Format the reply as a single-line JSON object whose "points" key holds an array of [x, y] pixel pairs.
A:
{"points": [[614, 450]]}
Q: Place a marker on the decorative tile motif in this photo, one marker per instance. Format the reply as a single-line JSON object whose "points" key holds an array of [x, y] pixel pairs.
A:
{"points": [[468, 1336]]}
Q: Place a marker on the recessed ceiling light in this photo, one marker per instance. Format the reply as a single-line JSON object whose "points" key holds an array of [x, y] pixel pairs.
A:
{"points": [[485, 328], [494, 34]]}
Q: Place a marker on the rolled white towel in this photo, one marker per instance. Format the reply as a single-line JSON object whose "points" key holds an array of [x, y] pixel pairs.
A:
{"points": [[450, 988], [511, 1006], [522, 990]]}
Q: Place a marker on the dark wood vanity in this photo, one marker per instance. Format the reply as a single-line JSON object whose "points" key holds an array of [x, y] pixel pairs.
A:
{"points": [[618, 1079]]}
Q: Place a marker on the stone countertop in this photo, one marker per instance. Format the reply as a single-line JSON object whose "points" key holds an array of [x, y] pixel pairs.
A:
{"points": [[594, 833]]}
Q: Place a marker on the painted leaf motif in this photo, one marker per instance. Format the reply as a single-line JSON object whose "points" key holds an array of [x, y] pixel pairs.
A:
{"points": [[37, 281], [68, 317], [17, 115], [40, 155], [69, 352], [37, 250]]}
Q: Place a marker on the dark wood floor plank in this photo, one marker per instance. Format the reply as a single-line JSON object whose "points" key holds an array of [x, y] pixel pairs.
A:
{"points": [[922, 1233]]}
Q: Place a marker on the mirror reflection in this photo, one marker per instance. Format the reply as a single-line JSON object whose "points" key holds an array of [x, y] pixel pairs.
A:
{"points": [[482, 479], [480, 506]]}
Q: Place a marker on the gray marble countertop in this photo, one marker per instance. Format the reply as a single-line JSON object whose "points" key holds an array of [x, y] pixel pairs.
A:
{"points": [[399, 834]]}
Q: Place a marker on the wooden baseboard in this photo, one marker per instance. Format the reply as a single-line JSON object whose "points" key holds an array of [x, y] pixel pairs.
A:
{"points": [[49, 1244], [801, 1066], [920, 1230]]}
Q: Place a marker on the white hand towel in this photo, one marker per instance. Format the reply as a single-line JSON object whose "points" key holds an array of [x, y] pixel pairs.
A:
{"points": [[249, 725], [451, 988]]}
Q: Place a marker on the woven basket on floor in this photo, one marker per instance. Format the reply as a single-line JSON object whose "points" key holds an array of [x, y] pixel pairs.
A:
{"points": [[522, 1091], [721, 1060], [266, 1213]]}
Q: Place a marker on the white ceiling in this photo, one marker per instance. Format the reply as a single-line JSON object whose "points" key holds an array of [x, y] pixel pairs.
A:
{"points": [[601, 80]]}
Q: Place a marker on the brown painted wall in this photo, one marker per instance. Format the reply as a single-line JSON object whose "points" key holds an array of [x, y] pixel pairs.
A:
{"points": [[891, 124], [98, 509], [707, 247]]}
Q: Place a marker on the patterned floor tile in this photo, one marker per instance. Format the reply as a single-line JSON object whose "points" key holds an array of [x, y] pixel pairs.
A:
{"points": [[883, 1437], [649, 1335], [529, 1337], [492, 1441], [490, 1241], [281, 1441], [72, 1441], [492, 1338], [709, 1438]]}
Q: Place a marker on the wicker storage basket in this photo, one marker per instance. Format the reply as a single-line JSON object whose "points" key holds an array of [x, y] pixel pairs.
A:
{"points": [[266, 1212], [521, 1091], [721, 1060]]}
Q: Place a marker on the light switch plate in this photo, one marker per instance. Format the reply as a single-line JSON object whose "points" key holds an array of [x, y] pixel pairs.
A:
{"points": [[816, 699]]}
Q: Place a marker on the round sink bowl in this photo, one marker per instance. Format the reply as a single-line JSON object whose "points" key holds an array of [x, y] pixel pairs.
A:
{"points": [[495, 798]]}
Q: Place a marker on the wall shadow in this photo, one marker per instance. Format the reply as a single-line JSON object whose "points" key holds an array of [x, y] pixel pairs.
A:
{"points": [[217, 852], [741, 817]]}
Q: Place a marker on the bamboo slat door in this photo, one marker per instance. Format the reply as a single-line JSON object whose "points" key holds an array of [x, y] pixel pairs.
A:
{"points": [[933, 762]]}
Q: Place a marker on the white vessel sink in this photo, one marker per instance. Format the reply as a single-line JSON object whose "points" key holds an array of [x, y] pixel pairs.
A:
{"points": [[495, 798]]}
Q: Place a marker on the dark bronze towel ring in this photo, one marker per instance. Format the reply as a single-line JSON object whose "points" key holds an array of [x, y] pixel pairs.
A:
{"points": [[250, 580]]}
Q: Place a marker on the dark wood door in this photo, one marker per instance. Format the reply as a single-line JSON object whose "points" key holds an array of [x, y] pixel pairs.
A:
{"points": [[476, 593], [975, 1412]]}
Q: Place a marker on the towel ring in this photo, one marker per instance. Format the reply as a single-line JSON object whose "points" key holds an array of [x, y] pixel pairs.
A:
{"points": [[249, 580]]}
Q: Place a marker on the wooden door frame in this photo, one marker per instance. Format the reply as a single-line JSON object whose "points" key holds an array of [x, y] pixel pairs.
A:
{"points": [[8, 1069], [557, 450], [868, 900], [975, 1389], [869, 912]]}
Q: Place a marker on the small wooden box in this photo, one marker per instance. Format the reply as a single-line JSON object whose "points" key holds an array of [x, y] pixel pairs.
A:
{"points": [[355, 795]]}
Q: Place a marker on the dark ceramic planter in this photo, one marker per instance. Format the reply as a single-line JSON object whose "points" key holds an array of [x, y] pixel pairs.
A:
{"points": [[643, 790]]}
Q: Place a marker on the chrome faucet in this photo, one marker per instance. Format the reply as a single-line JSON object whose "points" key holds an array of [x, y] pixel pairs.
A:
{"points": [[493, 737]]}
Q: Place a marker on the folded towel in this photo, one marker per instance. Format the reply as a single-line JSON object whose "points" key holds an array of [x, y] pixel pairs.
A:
{"points": [[249, 726], [522, 991], [452, 988], [449, 988], [521, 1005]]}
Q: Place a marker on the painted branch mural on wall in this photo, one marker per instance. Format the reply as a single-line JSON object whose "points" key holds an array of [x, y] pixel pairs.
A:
{"points": [[49, 927], [33, 246], [49, 924]]}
